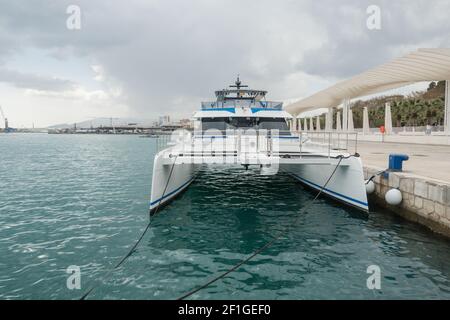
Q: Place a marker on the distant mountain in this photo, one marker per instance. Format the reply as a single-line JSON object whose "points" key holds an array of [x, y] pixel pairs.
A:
{"points": [[105, 122]]}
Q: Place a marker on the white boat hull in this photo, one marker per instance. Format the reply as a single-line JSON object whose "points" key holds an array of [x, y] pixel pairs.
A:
{"points": [[346, 185], [169, 180], [310, 163]]}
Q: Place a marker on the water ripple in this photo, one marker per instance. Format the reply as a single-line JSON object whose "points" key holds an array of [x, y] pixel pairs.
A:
{"points": [[83, 200]]}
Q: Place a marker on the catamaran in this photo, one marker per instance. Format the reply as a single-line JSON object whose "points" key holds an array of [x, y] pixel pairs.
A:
{"points": [[240, 127]]}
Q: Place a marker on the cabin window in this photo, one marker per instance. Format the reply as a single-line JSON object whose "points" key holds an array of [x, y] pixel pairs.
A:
{"points": [[214, 123], [242, 123], [273, 124]]}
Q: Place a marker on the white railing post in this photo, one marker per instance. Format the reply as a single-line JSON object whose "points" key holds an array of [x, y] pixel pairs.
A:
{"points": [[329, 145]]}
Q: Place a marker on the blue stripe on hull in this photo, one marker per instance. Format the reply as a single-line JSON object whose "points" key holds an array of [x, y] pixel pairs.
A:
{"points": [[174, 192], [333, 193]]}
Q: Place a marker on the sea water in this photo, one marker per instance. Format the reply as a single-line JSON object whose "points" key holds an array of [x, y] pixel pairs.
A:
{"points": [[82, 200]]}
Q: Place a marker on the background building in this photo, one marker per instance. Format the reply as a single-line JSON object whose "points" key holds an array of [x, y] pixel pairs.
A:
{"points": [[164, 120]]}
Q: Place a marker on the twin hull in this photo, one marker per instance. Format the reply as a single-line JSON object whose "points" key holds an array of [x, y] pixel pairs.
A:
{"points": [[347, 184]]}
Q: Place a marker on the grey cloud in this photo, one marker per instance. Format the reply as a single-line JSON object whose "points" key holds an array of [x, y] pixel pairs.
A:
{"points": [[406, 26], [33, 81], [167, 55]]}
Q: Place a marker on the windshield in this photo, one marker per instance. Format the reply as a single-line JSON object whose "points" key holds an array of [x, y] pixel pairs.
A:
{"points": [[272, 124], [223, 124], [214, 123]]}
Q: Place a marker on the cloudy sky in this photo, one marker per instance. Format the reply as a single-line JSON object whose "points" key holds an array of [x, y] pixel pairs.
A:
{"points": [[139, 58]]}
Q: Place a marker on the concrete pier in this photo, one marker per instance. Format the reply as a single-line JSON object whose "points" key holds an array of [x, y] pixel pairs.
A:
{"points": [[424, 182]]}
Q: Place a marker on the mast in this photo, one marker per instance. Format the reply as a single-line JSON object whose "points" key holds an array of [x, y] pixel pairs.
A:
{"points": [[240, 92], [238, 84]]}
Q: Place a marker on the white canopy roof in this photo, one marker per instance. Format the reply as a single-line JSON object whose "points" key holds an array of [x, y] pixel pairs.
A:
{"points": [[422, 65]]}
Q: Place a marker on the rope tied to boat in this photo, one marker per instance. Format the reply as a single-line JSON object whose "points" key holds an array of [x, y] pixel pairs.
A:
{"points": [[271, 242], [133, 248], [236, 266], [376, 174]]}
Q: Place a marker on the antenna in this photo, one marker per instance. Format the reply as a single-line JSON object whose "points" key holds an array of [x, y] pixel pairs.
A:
{"points": [[238, 84]]}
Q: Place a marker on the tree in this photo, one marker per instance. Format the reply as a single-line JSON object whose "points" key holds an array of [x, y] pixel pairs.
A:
{"points": [[431, 86]]}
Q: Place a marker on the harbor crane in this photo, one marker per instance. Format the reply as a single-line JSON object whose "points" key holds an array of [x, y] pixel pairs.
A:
{"points": [[7, 128]]}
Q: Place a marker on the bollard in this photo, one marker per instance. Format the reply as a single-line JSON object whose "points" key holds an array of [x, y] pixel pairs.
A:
{"points": [[396, 161]]}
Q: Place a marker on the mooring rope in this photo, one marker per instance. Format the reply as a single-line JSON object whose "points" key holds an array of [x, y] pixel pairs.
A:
{"points": [[268, 244], [376, 174], [133, 248]]}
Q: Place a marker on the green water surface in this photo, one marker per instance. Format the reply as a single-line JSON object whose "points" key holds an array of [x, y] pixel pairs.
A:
{"points": [[83, 200]]}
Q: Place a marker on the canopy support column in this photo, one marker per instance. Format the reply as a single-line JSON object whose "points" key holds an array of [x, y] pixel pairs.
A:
{"points": [[388, 118], [447, 108], [345, 109], [366, 127], [329, 120], [350, 126], [338, 121]]}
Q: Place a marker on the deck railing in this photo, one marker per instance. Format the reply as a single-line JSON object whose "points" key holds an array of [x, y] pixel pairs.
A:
{"points": [[162, 141], [268, 142], [249, 103], [334, 141]]}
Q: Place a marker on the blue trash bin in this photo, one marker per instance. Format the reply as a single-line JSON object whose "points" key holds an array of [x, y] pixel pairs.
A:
{"points": [[396, 161]]}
